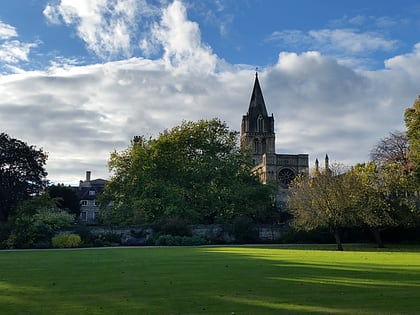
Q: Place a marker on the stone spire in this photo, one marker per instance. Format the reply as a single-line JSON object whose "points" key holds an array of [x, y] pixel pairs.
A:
{"points": [[257, 104]]}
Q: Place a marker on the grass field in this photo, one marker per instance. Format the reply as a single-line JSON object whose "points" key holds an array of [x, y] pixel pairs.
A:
{"points": [[210, 280]]}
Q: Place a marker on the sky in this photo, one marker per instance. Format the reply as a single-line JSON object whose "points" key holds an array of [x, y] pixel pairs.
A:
{"points": [[80, 79]]}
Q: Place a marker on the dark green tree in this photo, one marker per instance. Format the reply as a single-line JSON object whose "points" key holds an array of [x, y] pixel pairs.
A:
{"points": [[194, 171], [22, 173], [66, 198]]}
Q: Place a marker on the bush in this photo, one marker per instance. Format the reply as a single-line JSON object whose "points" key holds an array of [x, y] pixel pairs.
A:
{"points": [[176, 240], [244, 230], [173, 226], [66, 240]]}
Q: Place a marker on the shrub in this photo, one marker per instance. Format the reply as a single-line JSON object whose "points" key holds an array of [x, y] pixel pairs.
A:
{"points": [[244, 230], [66, 240], [173, 226], [176, 240]]}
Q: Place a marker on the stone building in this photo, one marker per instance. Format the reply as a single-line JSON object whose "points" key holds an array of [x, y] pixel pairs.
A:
{"points": [[257, 135], [87, 192]]}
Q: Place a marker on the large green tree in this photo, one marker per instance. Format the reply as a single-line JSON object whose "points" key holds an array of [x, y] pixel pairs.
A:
{"points": [[382, 197], [194, 171], [412, 122], [322, 201], [22, 173]]}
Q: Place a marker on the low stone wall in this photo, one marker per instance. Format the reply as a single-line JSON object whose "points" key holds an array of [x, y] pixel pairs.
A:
{"points": [[216, 233]]}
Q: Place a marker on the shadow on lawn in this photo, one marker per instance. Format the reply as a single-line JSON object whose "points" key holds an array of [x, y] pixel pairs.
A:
{"points": [[220, 280], [371, 283]]}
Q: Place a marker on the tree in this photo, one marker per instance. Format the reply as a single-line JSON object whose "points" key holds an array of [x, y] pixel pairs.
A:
{"points": [[393, 149], [381, 197], [322, 200], [35, 222], [194, 171], [412, 122], [66, 198], [22, 173]]}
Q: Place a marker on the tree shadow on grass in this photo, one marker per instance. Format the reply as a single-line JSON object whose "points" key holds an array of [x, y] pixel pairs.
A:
{"points": [[208, 281]]}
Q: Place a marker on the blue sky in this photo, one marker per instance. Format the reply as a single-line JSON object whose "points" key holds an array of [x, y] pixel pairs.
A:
{"points": [[81, 78]]}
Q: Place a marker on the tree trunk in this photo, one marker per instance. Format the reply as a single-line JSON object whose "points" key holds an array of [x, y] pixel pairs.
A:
{"points": [[338, 240], [378, 238]]}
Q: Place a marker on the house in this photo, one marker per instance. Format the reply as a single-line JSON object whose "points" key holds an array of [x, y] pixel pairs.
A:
{"points": [[87, 192]]}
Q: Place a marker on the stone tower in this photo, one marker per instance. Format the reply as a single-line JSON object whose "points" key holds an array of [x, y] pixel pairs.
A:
{"points": [[257, 135], [257, 130]]}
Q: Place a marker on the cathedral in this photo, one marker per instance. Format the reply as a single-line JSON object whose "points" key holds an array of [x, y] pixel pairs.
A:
{"points": [[257, 135]]}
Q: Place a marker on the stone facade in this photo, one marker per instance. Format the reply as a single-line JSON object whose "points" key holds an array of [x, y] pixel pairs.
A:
{"points": [[87, 192], [257, 135]]}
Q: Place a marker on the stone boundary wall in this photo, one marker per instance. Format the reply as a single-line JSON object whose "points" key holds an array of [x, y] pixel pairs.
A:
{"points": [[139, 235]]}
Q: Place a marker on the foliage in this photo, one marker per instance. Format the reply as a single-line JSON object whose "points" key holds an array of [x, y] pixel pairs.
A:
{"points": [[66, 198], [244, 230], [322, 200], [195, 171], [36, 221], [173, 226], [393, 149], [412, 122], [22, 173], [176, 240], [382, 195], [66, 241]]}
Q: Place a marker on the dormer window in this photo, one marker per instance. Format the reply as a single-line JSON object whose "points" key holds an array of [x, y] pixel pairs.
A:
{"points": [[92, 193]]}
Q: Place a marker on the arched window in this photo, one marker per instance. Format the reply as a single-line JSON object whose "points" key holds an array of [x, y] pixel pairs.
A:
{"points": [[256, 146], [260, 124], [263, 146]]}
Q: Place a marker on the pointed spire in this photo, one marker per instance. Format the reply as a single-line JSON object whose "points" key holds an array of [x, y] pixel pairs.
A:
{"points": [[316, 166], [257, 104], [327, 162]]}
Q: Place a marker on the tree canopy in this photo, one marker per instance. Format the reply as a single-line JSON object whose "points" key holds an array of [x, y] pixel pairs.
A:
{"points": [[66, 198], [22, 173], [194, 171], [322, 200]]}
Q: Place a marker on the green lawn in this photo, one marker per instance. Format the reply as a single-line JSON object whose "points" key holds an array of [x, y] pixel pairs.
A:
{"points": [[210, 280]]}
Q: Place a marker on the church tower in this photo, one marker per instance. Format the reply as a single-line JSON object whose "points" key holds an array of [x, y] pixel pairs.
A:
{"points": [[257, 130]]}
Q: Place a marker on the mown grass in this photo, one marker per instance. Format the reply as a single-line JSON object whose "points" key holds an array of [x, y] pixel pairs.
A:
{"points": [[211, 280]]}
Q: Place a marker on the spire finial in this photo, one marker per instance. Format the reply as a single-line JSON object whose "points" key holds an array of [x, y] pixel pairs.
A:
{"points": [[256, 72]]}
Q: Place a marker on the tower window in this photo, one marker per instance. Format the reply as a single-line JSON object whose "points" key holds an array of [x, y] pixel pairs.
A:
{"points": [[260, 124], [256, 146], [264, 146]]}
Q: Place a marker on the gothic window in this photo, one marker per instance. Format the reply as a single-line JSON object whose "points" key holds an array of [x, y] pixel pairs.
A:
{"points": [[286, 176], [256, 146], [264, 146], [260, 124]]}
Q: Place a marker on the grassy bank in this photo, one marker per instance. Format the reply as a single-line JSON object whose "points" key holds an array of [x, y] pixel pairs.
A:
{"points": [[211, 280]]}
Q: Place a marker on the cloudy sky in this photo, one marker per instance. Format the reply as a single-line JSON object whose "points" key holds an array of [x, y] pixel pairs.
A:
{"points": [[80, 78]]}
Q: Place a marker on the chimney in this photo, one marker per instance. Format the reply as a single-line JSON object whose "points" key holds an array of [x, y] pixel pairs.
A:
{"points": [[87, 176]]}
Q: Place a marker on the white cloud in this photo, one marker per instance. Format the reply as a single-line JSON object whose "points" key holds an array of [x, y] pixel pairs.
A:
{"points": [[181, 41], [104, 25], [7, 31], [348, 41], [79, 114], [12, 51]]}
